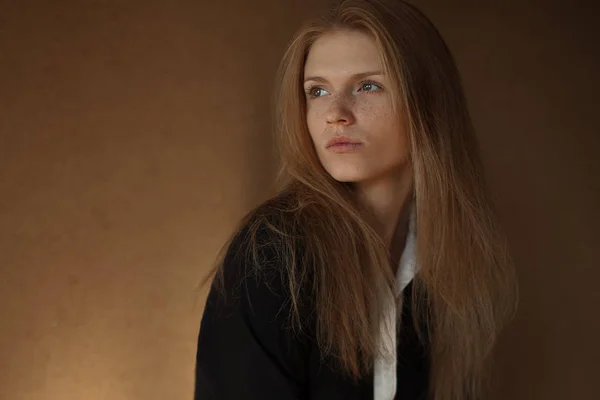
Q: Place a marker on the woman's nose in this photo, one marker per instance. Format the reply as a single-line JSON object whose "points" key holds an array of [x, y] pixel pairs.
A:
{"points": [[340, 113]]}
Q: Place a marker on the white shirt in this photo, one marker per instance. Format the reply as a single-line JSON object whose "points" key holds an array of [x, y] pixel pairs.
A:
{"points": [[384, 384]]}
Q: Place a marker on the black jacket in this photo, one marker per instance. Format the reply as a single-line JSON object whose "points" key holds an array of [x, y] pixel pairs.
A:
{"points": [[246, 350]]}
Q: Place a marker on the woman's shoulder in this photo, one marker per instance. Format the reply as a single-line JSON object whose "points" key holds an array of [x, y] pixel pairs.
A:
{"points": [[263, 259], [248, 332], [266, 234], [273, 226]]}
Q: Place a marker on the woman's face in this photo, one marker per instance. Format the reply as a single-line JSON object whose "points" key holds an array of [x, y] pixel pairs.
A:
{"points": [[355, 131]]}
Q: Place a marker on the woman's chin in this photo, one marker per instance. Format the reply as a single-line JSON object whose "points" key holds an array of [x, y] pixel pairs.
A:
{"points": [[347, 177]]}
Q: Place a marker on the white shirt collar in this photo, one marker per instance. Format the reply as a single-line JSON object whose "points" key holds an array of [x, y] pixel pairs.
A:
{"points": [[384, 384], [407, 265]]}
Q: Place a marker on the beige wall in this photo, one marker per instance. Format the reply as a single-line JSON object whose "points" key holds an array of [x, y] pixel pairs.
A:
{"points": [[134, 134]]}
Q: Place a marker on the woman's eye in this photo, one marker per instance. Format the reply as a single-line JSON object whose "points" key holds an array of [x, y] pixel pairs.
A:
{"points": [[316, 92], [369, 87]]}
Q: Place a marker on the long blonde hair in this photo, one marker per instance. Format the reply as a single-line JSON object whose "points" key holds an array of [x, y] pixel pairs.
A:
{"points": [[465, 289]]}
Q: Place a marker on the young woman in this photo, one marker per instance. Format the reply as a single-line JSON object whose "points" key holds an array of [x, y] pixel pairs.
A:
{"points": [[377, 270]]}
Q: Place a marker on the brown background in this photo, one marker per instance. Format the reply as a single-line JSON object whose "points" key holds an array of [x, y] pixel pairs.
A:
{"points": [[133, 134]]}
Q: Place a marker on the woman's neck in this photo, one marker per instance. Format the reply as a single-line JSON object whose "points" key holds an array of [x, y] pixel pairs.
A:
{"points": [[388, 201]]}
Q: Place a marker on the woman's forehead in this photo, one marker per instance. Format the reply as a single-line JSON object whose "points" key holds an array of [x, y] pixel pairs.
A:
{"points": [[343, 53]]}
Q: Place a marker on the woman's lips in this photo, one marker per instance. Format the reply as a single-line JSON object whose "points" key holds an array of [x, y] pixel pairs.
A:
{"points": [[342, 144], [345, 147]]}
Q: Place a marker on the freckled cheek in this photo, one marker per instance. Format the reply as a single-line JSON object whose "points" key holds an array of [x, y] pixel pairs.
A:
{"points": [[376, 106], [315, 120], [375, 120], [383, 132]]}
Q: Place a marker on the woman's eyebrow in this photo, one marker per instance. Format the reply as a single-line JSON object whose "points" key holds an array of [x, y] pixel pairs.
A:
{"points": [[353, 77]]}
